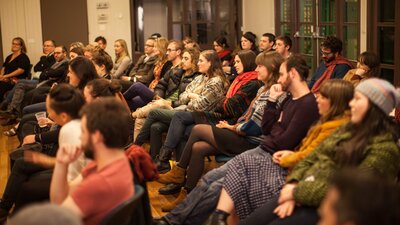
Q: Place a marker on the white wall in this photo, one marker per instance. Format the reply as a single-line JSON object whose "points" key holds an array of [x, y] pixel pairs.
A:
{"points": [[116, 26], [21, 18], [258, 16]]}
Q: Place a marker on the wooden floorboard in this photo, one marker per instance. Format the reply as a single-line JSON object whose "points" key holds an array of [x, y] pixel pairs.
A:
{"points": [[7, 144]]}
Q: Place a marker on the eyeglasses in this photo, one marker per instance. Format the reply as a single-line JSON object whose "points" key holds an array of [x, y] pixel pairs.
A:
{"points": [[149, 46], [171, 50], [16, 43], [326, 53]]}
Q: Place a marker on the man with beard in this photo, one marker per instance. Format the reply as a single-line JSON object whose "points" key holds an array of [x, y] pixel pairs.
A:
{"points": [[284, 126], [107, 181], [63, 104], [333, 66]]}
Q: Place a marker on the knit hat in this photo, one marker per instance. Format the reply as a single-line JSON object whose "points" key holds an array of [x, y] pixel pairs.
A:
{"points": [[381, 93], [250, 36]]}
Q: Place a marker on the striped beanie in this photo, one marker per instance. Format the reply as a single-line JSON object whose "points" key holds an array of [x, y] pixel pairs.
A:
{"points": [[382, 93]]}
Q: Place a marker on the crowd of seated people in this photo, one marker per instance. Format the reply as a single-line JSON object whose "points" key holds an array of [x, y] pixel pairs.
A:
{"points": [[292, 138]]}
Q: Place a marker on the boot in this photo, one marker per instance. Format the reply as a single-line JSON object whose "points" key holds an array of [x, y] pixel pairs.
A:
{"points": [[162, 162], [218, 217], [176, 175], [170, 189], [170, 206]]}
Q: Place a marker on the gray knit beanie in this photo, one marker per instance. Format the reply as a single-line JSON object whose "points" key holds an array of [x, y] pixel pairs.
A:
{"points": [[381, 93]]}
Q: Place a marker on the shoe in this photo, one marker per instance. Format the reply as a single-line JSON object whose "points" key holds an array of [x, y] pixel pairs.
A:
{"points": [[218, 217], [170, 206], [162, 161], [170, 189], [11, 132], [176, 175], [160, 221]]}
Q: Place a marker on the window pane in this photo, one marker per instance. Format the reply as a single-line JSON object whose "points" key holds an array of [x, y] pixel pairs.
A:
{"points": [[327, 10], [285, 29], [205, 33], [387, 74], [327, 30], [350, 42], [306, 44], [306, 11], [177, 11], [351, 11], [386, 44], [285, 11], [204, 11], [386, 10], [224, 10], [177, 31]]}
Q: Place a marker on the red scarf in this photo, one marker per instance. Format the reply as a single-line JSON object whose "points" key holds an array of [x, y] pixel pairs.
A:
{"points": [[223, 53], [239, 81], [330, 67]]}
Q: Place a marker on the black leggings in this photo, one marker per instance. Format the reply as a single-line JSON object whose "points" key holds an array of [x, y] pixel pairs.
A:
{"points": [[201, 143]]}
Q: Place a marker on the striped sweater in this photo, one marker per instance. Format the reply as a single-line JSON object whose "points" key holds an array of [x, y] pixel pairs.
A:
{"points": [[250, 122]]}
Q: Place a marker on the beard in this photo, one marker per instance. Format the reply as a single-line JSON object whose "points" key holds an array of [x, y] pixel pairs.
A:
{"points": [[330, 59], [88, 149], [285, 84]]}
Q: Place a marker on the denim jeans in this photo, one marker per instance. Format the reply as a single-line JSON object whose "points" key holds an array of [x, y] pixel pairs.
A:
{"points": [[157, 122], [34, 108], [138, 95], [180, 128], [21, 82], [201, 201]]}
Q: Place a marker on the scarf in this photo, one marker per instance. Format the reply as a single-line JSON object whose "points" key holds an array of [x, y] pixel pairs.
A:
{"points": [[330, 67], [223, 53], [239, 81]]}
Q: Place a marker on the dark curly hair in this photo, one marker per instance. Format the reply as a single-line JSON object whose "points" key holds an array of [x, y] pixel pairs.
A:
{"points": [[333, 43]]}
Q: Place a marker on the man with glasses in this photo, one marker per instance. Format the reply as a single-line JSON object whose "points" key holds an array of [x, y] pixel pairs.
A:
{"points": [[47, 59], [56, 73], [143, 70], [333, 66]]}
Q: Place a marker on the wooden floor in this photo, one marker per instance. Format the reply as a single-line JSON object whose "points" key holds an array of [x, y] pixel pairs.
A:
{"points": [[7, 144]]}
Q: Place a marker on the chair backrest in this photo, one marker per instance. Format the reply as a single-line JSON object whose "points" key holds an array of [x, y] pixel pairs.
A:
{"points": [[125, 212]]}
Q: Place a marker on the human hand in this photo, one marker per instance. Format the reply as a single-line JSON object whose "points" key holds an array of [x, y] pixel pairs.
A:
{"points": [[28, 139], [39, 159], [287, 193], [223, 124], [276, 90], [68, 153], [277, 156], [361, 71], [285, 209], [126, 78]]}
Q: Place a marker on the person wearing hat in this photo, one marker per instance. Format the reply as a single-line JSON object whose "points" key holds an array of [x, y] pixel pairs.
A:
{"points": [[368, 142]]}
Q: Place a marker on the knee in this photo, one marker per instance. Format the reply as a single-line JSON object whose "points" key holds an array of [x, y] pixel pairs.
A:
{"points": [[156, 128]]}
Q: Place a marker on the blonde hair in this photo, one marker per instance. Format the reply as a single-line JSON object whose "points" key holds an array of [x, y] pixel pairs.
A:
{"points": [[161, 44], [124, 53]]}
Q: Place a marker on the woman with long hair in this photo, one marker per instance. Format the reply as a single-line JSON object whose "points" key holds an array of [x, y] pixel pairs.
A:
{"points": [[261, 177], [162, 64], [122, 58], [368, 65], [229, 107], [206, 139], [199, 95], [367, 142]]}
